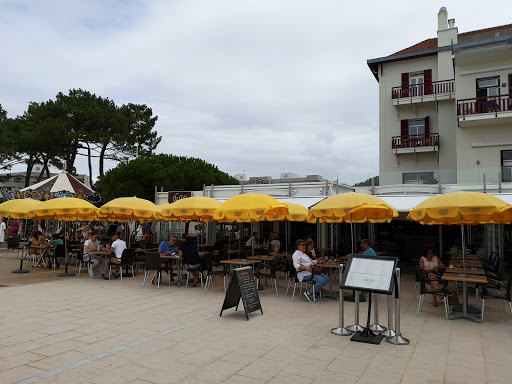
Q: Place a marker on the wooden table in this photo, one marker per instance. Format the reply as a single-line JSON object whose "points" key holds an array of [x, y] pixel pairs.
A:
{"points": [[469, 270], [475, 264], [467, 311], [239, 262], [43, 249]]}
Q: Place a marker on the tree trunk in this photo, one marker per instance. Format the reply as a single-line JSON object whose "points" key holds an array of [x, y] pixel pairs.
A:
{"points": [[72, 156], [45, 168], [30, 165], [102, 157], [89, 160]]}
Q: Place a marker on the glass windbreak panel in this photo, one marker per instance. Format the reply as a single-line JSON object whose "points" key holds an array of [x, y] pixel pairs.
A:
{"points": [[410, 178], [417, 127]]}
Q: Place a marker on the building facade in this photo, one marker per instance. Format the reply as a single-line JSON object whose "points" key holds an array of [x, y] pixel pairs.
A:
{"points": [[445, 108]]}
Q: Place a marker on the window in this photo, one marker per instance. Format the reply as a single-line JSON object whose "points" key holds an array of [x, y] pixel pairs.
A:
{"points": [[506, 166], [419, 178], [417, 127], [488, 87], [416, 81]]}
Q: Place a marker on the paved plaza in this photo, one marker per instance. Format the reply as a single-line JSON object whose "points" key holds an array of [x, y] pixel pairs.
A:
{"points": [[80, 330]]}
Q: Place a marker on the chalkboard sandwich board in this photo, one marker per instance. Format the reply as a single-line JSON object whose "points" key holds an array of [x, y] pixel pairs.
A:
{"points": [[242, 285]]}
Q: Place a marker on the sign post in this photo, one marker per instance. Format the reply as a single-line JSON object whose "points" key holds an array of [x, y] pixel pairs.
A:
{"points": [[373, 274], [242, 286]]}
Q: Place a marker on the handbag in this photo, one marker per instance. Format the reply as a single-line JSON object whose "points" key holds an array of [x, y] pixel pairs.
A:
{"points": [[317, 270]]}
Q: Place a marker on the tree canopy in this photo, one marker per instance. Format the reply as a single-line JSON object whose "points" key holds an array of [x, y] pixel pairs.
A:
{"points": [[368, 182], [140, 176], [78, 124]]}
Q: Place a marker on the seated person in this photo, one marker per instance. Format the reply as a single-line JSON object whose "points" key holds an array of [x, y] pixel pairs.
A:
{"points": [[253, 240], [275, 244], [432, 267], [56, 240], [191, 258], [38, 240], [117, 248], [168, 248], [304, 267], [92, 245]]}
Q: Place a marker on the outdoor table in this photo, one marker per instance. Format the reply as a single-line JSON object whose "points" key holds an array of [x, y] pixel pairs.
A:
{"points": [[476, 264], [43, 250], [104, 254], [333, 266], [263, 258], [469, 270], [467, 312], [468, 258], [178, 266], [240, 262], [234, 252]]}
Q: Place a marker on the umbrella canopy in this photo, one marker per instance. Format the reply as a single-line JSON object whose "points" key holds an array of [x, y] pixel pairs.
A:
{"points": [[189, 209], [65, 209], [19, 208], [129, 209], [296, 212], [249, 208], [61, 182], [353, 207], [462, 208]]}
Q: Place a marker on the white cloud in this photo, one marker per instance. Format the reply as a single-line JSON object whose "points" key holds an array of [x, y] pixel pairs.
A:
{"points": [[261, 86]]}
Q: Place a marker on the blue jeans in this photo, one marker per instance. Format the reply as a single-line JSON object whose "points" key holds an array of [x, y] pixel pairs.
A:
{"points": [[320, 281]]}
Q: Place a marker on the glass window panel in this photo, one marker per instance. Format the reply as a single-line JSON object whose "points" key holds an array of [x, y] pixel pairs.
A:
{"points": [[417, 127]]}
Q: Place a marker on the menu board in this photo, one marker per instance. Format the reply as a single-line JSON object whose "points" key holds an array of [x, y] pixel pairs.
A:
{"points": [[242, 286], [369, 273]]}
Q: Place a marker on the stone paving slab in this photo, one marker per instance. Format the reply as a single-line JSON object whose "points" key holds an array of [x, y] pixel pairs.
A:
{"points": [[80, 330]]}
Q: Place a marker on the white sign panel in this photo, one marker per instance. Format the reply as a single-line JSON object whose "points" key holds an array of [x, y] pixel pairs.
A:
{"points": [[370, 273]]}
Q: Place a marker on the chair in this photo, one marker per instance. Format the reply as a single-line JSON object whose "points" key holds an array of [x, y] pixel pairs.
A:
{"points": [[127, 260], [13, 243], [60, 251], [272, 274], [81, 261], [153, 264], [424, 290], [203, 267], [292, 273], [497, 290], [214, 263]]}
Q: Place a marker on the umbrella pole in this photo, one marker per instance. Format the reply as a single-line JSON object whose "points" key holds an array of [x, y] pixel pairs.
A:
{"points": [[65, 274], [463, 246], [21, 270]]}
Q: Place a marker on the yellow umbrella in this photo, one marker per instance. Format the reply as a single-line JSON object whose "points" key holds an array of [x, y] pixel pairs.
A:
{"points": [[296, 212], [462, 207], [129, 209], [354, 207], [18, 208], [249, 208], [65, 209], [190, 209]]}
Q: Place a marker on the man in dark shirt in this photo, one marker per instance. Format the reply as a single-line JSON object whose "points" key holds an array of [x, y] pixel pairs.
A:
{"points": [[188, 250]]}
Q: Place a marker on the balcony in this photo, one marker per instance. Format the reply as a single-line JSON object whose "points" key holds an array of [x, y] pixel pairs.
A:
{"points": [[471, 112], [437, 90], [415, 143]]}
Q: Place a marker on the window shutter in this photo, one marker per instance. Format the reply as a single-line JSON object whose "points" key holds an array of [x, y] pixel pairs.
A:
{"points": [[404, 128], [510, 84], [405, 85], [427, 76], [427, 126]]}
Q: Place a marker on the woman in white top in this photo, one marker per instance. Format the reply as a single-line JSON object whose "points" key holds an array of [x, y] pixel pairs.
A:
{"points": [[304, 267], [432, 266], [275, 244]]}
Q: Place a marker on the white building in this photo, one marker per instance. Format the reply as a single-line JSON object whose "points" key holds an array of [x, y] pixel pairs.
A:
{"points": [[445, 108]]}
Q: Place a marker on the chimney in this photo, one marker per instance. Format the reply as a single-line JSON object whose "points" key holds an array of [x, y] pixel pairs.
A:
{"points": [[451, 23], [442, 19]]}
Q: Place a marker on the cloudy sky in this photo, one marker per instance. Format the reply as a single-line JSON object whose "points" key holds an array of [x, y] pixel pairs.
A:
{"points": [[253, 86]]}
